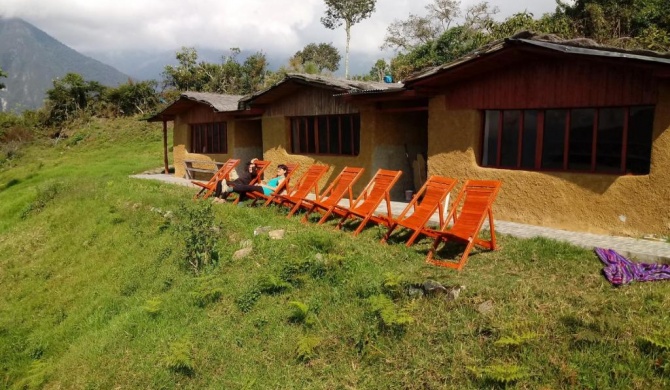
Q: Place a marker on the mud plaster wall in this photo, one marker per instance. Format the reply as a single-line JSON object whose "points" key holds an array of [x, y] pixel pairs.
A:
{"points": [[397, 135], [200, 114], [621, 205], [247, 141], [276, 141]]}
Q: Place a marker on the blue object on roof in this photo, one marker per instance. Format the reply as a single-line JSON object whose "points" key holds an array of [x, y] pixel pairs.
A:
{"points": [[388, 79]]}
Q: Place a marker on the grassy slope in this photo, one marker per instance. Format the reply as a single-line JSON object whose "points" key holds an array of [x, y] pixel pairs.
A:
{"points": [[93, 294]]}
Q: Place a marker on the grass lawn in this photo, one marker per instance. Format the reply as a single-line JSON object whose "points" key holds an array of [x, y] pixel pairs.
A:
{"points": [[98, 290]]}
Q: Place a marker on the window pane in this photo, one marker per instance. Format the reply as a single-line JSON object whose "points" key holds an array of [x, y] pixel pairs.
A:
{"points": [[347, 134], [323, 135], [311, 135], [357, 134], [295, 135], [638, 149], [610, 139], [490, 152], [553, 140], [529, 139], [509, 150], [580, 149], [334, 136]]}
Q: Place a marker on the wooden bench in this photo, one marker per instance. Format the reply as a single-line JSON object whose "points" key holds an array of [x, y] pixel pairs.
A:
{"points": [[191, 170]]}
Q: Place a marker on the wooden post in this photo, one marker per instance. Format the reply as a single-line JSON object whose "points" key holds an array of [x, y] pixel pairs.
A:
{"points": [[165, 148]]}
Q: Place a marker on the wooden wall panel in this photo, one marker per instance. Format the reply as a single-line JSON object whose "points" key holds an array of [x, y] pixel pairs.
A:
{"points": [[310, 101], [553, 85]]}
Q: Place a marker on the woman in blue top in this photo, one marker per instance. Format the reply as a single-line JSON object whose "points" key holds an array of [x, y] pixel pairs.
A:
{"points": [[266, 188]]}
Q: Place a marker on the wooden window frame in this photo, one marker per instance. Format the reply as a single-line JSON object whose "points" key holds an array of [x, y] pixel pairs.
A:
{"points": [[213, 136], [309, 140], [539, 139]]}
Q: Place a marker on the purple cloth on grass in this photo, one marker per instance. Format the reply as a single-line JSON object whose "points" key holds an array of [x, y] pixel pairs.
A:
{"points": [[619, 270]]}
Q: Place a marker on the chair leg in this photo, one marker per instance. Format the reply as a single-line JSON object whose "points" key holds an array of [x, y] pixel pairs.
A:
{"points": [[294, 209], [388, 232], [326, 215], [344, 218], [362, 225], [413, 238]]}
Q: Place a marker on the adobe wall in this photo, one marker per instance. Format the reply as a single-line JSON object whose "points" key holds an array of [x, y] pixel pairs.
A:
{"points": [[276, 140], [609, 204], [181, 140]]}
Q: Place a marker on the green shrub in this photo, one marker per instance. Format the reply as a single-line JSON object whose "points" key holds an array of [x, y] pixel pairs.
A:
{"points": [[306, 349], [500, 374], [196, 227]]}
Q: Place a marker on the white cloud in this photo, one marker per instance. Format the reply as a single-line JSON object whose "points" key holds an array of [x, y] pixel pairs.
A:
{"points": [[273, 26]]}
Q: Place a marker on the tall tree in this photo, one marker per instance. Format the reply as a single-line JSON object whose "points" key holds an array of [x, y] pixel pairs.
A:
{"points": [[70, 96], [323, 56], [348, 12], [418, 30], [2, 74]]}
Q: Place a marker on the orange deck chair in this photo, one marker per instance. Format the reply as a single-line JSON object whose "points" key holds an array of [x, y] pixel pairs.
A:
{"points": [[261, 166], [367, 202], [283, 186], [308, 182], [415, 216], [223, 173], [475, 201], [331, 196]]}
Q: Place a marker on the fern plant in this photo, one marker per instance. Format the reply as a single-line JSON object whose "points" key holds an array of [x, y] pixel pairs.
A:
{"points": [[501, 374], [306, 349], [390, 317], [152, 307], [515, 340], [179, 358], [301, 314]]}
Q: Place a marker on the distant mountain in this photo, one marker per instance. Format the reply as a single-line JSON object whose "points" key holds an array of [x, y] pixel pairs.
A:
{"points": [[32, 60]]}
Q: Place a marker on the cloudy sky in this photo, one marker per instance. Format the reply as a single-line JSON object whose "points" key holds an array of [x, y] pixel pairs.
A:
{"points": [[273, 26]]}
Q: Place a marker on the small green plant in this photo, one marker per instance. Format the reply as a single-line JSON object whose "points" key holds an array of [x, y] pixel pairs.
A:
{"points": [[153, 307], [36, 377], [393, 285], [246, 301], [390, 317], [199, 231], [515, 340], [301, 313], [209, 290], [179, 358], [271, 284], [501, 374], [306, 349], [45, 195]]}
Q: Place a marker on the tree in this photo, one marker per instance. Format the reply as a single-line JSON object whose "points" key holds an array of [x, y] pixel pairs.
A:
{"points": [[133, 97], [184, 76], [2, 74], [404, 35], [348, 12], [70, 96], [322, 56]]}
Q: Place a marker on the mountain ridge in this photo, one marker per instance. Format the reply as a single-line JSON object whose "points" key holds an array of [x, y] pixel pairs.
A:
{"points": [[32, 59]]}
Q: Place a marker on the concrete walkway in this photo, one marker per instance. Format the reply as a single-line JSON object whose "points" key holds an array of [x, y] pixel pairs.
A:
{"points": [[637, 249]]}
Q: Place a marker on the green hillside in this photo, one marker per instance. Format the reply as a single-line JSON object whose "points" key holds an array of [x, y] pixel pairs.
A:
{"points": [[97, 292]]}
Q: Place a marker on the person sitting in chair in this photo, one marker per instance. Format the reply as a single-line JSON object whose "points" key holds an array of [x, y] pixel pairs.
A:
{"points": [[264, 188], [244, 179]]}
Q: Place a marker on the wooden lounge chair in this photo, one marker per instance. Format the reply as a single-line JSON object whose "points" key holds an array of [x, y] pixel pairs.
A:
{"points": [[261, 166], [331, 197], [309, 182], [415, 216], [469, 210], [283, 186], [367, 202], [223, 173]]}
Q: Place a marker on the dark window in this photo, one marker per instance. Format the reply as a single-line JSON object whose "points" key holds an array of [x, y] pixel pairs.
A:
{"points": [[209, 138], [608, 140], [326, 134]]}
